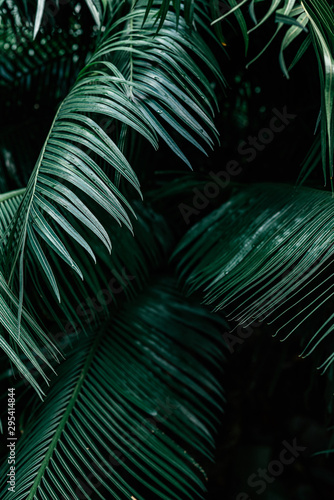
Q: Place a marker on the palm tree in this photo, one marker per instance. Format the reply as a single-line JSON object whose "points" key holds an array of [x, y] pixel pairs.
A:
{"points": [[115, 363]]}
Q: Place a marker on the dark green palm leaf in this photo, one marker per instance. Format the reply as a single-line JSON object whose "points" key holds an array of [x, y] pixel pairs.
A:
{"points": [[115, 278], [267, 252], [132, 407], [32, 344], [321, 21], [120, 82], [317, 18]]}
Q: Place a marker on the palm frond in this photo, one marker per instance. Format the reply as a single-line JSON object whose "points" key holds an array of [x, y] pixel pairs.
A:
{"points": [[315, 20], [321, 20], [114, 278], [29, 346], [121, 82], [133, 411], [267, 252]]}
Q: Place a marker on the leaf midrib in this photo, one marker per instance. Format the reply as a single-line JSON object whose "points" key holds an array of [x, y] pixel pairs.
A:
{"points": [[31, 191], [63, 422]]}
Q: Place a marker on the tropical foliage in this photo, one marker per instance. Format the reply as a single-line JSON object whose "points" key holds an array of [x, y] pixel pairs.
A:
{"points": [[111, 312]]}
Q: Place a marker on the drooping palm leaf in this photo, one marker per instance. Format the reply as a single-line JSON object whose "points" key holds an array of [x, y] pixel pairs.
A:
{"points": [[33, 340], [315, 20], [120, 82], [133, 406], [112, 280], [267, 252], [154, 68], [321, 21]]}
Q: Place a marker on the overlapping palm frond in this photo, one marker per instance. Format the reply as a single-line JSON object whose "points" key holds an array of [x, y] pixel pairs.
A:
{"points": [[122, 82], [32, 347], [113, 279], [85, 304], [33, 340], [134, 411], [314, 19], [267, 252]]}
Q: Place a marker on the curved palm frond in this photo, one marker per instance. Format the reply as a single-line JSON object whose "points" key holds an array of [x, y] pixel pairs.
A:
{"points": [[321, 21], [33, 345], [314, 19], [85, 304], [129, 259], [267, 252], [114, 278], [121, 81], [154, 68], [133, 406]]}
